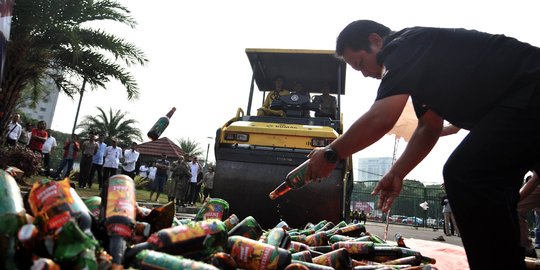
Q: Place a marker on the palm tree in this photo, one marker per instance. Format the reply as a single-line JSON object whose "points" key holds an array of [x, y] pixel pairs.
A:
{"points": [[115, 125], [55, 39], [191, 148]]}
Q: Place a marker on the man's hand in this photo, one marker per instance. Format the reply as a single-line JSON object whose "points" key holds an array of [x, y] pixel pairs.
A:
{"points": [[318, 167], [389, 188]]}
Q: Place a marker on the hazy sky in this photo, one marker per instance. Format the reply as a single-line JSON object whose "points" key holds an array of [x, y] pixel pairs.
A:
{"points": [[198, 62]]}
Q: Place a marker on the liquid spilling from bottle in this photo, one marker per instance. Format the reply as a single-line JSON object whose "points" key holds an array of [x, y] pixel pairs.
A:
{"points": [[295, 179]]}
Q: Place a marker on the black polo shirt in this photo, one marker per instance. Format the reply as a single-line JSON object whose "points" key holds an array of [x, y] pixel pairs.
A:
{"points": [[459, 74]]}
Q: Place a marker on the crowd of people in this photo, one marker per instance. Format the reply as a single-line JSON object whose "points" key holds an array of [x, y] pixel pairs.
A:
{"points": [[99, 160]]}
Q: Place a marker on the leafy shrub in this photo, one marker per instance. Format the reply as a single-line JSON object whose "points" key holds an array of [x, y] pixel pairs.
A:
{"points": [[141, 182], [22, 158]]}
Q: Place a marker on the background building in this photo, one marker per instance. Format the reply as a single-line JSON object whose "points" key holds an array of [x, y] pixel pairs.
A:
{"points": [[45, 107], [373, 169]]}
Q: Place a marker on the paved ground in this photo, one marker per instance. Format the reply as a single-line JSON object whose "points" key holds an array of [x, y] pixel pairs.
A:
{"points": [[411, 232]]}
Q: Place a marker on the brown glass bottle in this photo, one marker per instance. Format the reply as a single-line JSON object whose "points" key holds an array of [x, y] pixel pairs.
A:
{"points": [[248, 227], [160, 126], [338, 259], [294, 180]]}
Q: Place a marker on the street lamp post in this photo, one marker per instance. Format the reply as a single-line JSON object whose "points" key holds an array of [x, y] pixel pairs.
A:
{"points": [[207, 150], [79, 106]]}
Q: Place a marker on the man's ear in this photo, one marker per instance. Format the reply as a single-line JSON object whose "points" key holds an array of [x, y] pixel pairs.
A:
{"points": [[375, 40]]}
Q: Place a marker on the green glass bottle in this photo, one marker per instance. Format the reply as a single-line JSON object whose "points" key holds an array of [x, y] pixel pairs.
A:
{"points": [[254, 255], [313, 266], [278, 237], [160, 126], [304, 256], [93, 203], [214, 208], [294, 180], [248, 227], [317, 239], [71, 241], [120, 212], [154, 260], [55, 202], [192, 240], [13, 216], [223, 261], [357, 250], [338, 259], [352, 230]]}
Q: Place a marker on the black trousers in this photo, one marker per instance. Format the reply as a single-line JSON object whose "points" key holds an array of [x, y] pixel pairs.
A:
{"points": [[46, 163], [96, 168], [482, 179]]}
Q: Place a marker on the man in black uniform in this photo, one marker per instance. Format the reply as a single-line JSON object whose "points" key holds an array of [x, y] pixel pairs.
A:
{"points": [[488, 84]]}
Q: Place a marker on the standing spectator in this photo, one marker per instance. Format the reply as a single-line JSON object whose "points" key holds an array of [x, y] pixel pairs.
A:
{"points": [[97, 162], [71, 148], [162, 172], [14, 130], [208, 181], [48, 147], [362, 217], [26, 134], [113, 154], [193, 187], [151, 175], [143, 171], [181, 175], [39, 136], [448, 218], [130, 160], [88, 149]]}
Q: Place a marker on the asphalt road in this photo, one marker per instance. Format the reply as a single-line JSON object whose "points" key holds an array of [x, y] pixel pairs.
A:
{"points": [[411, 232]]}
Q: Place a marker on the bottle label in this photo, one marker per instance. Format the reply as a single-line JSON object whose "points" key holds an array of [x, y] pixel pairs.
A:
{"points": [[184, 232], [354, 247], [212, 211], [297, 177], [121, 198], [254, 256], [58, 221], [120, 229], [46, 195]]}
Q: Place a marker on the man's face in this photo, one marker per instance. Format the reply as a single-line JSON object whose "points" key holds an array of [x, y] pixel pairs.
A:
{"points": [[364, 61], [16, 118], [101, 138], [194, 160], [41, 125], [92, 137]]}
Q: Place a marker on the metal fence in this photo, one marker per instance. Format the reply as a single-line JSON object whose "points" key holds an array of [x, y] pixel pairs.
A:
{"points": [[407, 204]]}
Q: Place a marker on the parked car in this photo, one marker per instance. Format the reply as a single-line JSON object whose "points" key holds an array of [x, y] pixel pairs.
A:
{"points": [[396, 218], [415, 221]]}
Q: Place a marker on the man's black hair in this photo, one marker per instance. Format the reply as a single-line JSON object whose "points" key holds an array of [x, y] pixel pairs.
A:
{"points": [[355, 35]]}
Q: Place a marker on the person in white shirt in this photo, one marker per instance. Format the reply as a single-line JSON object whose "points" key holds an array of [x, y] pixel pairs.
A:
{"points": [[193, 188], [113, 154], [48, 147], [130, 159], [143, 171], [14, 130]]}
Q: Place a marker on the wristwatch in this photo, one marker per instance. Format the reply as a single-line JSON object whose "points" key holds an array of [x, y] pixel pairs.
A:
{"points": [[330, 155]]}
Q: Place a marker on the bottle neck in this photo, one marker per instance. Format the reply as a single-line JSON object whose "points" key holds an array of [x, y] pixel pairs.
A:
{"points": [[280, 190], [171, 112]]}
